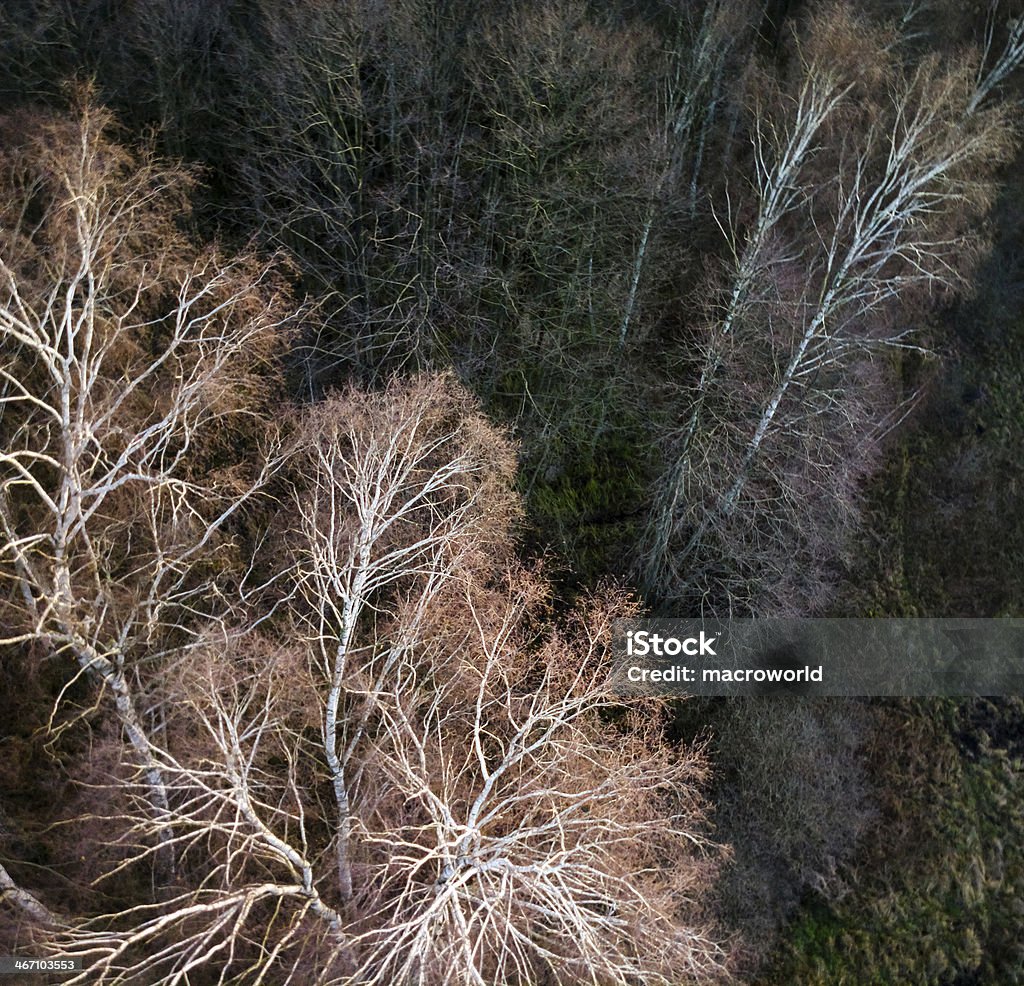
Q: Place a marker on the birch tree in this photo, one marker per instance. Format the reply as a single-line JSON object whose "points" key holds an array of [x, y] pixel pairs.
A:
{"points": [[398, 491], [250, 900], [129, 364], [695, 91], [537, 839], [880, 220], [995, 69], [780, 157]]}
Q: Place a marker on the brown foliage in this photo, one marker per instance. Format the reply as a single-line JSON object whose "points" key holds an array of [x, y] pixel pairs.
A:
{"points": [[354, 745]]}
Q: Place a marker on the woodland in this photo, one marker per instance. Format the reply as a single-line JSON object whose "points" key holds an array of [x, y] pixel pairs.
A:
{"points": [[362, 362]]}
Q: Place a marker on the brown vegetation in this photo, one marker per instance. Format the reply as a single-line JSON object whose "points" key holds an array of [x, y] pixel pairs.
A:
{"points": [[353, 743]]}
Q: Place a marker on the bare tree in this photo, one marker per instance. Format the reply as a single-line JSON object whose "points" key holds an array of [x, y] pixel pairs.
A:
{"points": [[129, 357], [407, 505], [993, 73], [27, 902], [248, 901], [397, 488], [882, 222], [536, 833], [695, 89], [780, 156]]}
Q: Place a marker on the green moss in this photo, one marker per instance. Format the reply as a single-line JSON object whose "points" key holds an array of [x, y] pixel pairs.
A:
{"points": [[942, 878], [587, 511]]}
